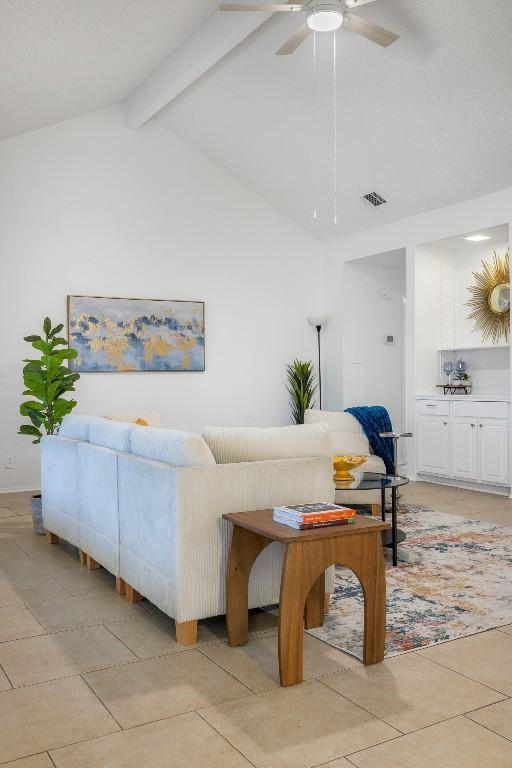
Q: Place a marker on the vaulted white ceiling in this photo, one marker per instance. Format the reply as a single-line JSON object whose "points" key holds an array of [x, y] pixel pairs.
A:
{"points": [[62, 58], [425, 122]]}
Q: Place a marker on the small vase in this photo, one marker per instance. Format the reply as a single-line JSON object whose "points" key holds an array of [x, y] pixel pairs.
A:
{"points": [[37, 514]]}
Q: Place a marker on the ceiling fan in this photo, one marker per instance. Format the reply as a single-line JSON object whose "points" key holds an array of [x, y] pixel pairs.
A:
{"points": [[321, 17]]}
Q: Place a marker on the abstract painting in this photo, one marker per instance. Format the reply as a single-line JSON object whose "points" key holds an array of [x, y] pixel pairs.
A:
{"points": [[116, 335]]}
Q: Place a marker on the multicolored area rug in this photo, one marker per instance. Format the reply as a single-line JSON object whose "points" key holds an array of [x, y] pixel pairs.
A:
{"points": [[454, 578]]}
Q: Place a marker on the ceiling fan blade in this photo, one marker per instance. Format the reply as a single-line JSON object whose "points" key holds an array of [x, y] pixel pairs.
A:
{"points": [[259, 7], [368, 29], [294, 41]]}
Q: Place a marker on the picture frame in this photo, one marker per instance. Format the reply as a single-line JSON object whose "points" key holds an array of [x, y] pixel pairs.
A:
{"points": [[126, 335]]}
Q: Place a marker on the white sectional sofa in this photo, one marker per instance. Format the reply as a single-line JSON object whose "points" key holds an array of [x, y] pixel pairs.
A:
{"points": [[147, 504], [348, 437]]}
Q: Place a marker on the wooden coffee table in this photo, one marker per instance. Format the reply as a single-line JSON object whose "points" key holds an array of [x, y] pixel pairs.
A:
{"points": [[308, 554]]}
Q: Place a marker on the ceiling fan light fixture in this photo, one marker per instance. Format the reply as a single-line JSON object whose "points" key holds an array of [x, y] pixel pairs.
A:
{"points": [[325, 20]]}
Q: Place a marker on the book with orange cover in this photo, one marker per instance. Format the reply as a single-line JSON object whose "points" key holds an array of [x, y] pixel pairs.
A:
{"points": [[315, 513], [309, 525]]}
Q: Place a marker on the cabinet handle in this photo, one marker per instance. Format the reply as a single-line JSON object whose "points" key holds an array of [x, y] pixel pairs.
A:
{"points": [[445, 423], [481, 426], [473, 425], [429, 405]]}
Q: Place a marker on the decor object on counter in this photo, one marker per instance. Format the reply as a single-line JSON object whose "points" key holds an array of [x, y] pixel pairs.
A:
{"points": [[318, 321], [460, 369], [456, 582], [491, 299], [301, 388], [461, 380], [46, 380], [343, 465], [448, 369], [115, 335], [455, 389], [375, 419]]}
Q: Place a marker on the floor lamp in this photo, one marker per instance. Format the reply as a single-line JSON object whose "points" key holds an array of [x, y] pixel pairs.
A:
{"points": [[318, 321]]}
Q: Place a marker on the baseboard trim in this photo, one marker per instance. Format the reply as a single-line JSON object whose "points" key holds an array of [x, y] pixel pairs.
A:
{"points": [[500, 490], [18, 489]]}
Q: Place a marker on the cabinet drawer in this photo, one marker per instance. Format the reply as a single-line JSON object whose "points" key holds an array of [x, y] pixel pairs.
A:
{"points": [[483, 410], [433, 407]]}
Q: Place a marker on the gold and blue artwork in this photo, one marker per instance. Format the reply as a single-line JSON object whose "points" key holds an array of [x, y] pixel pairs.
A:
{"points": [[116, 335]]}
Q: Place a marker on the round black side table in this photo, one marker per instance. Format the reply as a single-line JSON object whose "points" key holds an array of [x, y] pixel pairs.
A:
{"points": [[373, 481]]}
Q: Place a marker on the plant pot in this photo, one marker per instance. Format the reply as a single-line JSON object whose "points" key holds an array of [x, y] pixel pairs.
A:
{"points": [[37, 514]]}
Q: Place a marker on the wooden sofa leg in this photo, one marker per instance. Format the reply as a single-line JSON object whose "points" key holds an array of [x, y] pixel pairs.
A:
{"points": [[52, 538], [375, 510], [327, 602], [120, 586], [186, 632], [92, 564], [132, 595], [83, 557]]}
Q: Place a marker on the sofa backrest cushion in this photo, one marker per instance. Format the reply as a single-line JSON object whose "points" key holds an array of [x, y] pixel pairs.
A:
{"points": [[110, 434], [75, 426], [235, 444], [172, 446], [347, 435]]}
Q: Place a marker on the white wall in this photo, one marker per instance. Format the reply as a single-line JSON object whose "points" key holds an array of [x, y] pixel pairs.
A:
{"points": [[432, 313], [372, 372], [90, 207]]}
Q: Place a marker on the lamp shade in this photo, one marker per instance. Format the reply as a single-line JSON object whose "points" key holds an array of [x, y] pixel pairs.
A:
{"points": [[317, 320]]}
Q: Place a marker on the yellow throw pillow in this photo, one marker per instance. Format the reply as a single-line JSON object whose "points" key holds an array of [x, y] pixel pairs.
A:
{"points": [[133, 419]]}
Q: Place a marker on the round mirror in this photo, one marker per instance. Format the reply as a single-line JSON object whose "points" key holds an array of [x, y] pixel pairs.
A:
{"points": [[499, 298]]}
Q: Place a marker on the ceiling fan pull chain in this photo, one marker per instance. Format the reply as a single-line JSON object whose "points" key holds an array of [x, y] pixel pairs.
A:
{"points": [[335, 130], [314, 144]]}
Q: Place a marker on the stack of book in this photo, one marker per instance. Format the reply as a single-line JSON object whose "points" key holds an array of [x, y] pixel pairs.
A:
{"points": [[306, 516]]}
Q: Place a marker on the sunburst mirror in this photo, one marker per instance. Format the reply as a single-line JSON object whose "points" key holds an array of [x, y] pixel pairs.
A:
{"points": [[490, 299]]}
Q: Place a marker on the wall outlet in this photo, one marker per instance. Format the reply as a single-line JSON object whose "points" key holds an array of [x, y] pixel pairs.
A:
{"points": [[9, 462]]}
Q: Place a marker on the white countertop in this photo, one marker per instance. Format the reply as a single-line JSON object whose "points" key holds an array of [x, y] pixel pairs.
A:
{"points": [[474, 398]]}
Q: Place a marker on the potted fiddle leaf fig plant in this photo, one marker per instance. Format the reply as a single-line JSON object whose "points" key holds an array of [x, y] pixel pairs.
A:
{"points": [[46, 379]]}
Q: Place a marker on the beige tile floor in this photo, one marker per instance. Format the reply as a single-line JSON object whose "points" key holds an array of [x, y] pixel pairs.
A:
{"points": [[88, 680]]}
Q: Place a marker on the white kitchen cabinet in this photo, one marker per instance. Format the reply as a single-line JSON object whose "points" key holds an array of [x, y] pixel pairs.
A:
{"points": [[464, 440], [433, 445], [493, 451], [464, 448]]}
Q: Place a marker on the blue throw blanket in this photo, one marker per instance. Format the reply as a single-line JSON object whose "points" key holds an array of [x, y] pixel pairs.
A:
{"points": [[375, 419]]}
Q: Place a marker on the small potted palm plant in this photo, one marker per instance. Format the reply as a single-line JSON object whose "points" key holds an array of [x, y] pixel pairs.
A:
{"points": [[46, 380], [301, 388]]}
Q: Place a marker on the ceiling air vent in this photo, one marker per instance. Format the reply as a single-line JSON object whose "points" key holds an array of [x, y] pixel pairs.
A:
{"points": [[374, 199]]}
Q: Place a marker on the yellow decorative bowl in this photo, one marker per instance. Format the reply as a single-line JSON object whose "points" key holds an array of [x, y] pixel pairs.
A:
{"points": [[342, 465]]}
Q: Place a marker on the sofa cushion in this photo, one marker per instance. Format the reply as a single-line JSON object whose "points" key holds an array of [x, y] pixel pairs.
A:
{"points": [[110, 434], [75, 426], [235, 444], [347, 435], [183, 449]]}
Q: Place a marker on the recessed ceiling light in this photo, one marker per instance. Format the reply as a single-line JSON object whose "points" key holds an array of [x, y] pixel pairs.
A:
{"points": [[477, 238], [325, 20]]}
